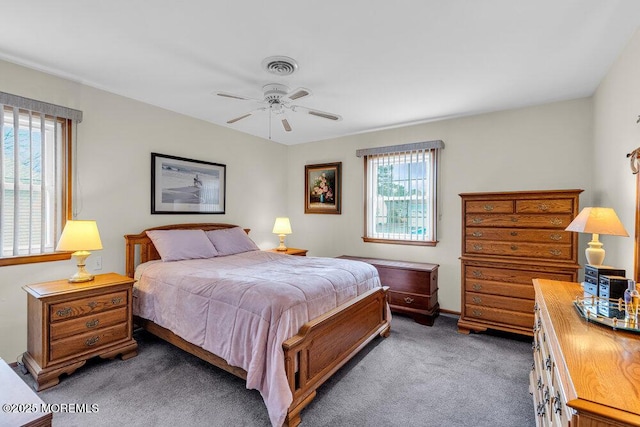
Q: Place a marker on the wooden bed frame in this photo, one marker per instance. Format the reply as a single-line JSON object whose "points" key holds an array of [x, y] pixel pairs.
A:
{"points": [[320, 348]]}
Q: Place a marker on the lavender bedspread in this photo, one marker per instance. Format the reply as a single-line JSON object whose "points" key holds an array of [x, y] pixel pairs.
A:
{"points": [[243, 307]]}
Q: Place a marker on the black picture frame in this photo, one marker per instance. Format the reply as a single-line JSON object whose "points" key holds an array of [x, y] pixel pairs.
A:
{"points": [[187, 186]]}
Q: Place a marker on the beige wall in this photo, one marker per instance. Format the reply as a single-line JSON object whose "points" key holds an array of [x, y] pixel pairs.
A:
{"points": [[616, 133], [115, 140], [537, 148], [573, 144]]}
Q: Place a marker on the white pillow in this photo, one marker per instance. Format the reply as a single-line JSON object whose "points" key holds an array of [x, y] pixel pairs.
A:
{"points": [[175, 245], [230, 241]]}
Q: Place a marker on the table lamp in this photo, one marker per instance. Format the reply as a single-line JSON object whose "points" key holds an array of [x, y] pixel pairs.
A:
{"points": [[80, 237], [597, 221], [281, 227]]}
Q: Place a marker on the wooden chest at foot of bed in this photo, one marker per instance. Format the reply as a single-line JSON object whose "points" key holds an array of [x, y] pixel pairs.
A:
{"points": [[413, 286]]}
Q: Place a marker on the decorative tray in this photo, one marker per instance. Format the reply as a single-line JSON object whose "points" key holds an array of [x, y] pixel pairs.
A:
{"points": [[588, 309]]}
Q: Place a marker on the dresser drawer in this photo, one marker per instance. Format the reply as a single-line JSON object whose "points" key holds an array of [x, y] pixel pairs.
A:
{"points": [[90, 341], [507, 317], [499, 288], [549, 251], [545, 206], [495, 301], [559, 221], [490, 206], [518, 235], [408, 300], [79, 325], [511, 276], [81, 307]]}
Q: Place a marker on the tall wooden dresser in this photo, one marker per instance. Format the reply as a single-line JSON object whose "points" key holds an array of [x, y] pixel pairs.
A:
{"points": [[508, 239]]}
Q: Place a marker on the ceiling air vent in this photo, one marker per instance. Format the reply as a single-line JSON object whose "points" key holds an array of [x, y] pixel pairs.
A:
{"points": [[280, 65]]}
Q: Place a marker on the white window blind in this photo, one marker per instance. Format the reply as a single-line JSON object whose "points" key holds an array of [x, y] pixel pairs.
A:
{"points": [[34, 170], [401, 192]]}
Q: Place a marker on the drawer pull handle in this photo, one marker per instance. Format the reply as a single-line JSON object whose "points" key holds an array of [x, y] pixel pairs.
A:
{"points": [[408, 300], [543, 207], [488, 208], [63, 312], [514, 247], [477, 300], [476, 273], [477, 234], [547, 395], [514, 233], [557, 404], [555, 237], [477, 287], [477, 313], [92, 304], [477, 247], [476, 220], [514, 219], [555, 252], [539, 383], [116, 300], [92, 341], [93, 323], [556, 221], [547, 363]]}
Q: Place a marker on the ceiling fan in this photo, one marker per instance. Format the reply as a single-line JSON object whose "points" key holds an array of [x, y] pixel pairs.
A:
{"points": [[277, 99]]}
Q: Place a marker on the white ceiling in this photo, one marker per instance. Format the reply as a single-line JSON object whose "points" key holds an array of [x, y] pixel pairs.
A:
{"points": [[378, 64]]}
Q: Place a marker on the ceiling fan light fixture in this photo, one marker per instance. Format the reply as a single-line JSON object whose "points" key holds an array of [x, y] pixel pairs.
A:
{"points": [[280, 65]]}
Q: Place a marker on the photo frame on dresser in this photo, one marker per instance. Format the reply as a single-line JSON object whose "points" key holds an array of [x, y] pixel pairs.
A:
{"points": [[323, 188], [186, 186]]}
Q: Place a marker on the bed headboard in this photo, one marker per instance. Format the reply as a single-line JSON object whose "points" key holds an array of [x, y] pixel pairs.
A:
{"points": [[139, 248]]}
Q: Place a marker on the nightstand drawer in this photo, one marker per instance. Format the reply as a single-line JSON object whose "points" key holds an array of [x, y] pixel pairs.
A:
{"points": [[89, 341], [88, 323], [81, 307]]}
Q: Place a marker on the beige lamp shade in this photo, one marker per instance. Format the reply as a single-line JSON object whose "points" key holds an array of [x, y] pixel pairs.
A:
{"points": [[597, 221], [80, 237], [282, 227]]}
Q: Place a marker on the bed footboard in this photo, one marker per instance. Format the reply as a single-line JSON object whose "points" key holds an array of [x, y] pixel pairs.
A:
{"points": [[326, 343]]}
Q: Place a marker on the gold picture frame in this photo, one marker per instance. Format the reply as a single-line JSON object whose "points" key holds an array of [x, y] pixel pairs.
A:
{"points": [[323, 188]]}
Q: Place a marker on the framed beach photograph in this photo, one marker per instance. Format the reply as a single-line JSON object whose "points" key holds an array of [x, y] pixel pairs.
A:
{"points": [[323, 188], [186, 186]]}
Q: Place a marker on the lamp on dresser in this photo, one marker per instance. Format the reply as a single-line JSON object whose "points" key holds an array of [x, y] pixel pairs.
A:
{"points": [[597, 221], [80, 237], [282, 227]]}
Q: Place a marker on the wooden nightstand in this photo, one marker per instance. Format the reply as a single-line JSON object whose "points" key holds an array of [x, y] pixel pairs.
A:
{"points": [[69, 323], [291, 251]]}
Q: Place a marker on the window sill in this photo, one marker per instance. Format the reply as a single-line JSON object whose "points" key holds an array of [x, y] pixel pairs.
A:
{"points": [[32, 259], [401, 242]]}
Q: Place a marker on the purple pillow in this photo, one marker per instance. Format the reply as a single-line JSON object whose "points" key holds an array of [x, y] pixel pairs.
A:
{"points": [[229, 241], [176, 245]]}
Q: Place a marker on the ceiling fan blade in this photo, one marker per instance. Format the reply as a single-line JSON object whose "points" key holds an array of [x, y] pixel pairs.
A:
{"points": [[240, 97], [317, 113], [238, 118], [301, 92], [286, 125]]}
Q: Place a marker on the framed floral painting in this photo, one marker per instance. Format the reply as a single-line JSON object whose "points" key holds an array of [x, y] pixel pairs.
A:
{"points": [[323, 188]]}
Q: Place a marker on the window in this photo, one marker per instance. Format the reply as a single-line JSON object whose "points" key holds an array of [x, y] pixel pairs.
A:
{"points": [[400, 193], [35, 171]]}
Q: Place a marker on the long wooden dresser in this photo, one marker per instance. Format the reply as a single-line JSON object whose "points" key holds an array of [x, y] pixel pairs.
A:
{"points": [[508, 239], [584, 374]]}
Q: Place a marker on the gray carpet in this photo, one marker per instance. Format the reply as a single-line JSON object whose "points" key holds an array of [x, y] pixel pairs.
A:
{"points": [[419, 376]]}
